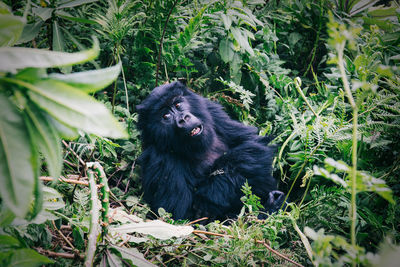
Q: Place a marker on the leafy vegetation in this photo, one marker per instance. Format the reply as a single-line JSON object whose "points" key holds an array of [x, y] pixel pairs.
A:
{"points": [[321, 77]]}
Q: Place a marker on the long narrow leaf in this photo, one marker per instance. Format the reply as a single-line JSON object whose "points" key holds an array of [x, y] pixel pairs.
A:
{"points": [[75, 3], [46, 138], [16, 171], [75, 108], [13, 58], [90, 81]]}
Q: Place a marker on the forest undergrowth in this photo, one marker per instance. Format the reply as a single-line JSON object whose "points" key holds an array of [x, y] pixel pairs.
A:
{"points": [[321, 77]]}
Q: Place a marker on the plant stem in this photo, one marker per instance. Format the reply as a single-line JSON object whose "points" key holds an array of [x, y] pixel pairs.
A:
{"points": [[297, 83], [162, 40], [353, 207], [94, 221], [124, 80]]}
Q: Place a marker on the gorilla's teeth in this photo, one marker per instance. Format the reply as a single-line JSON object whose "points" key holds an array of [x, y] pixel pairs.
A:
{"points": [[195, 131]]}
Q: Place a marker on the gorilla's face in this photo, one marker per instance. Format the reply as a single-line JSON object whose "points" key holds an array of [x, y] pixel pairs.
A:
{"points": [[179, 116], [174, 119]]}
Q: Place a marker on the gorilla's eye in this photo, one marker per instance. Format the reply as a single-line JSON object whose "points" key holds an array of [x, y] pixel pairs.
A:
{"points": [[166, 116], [178, 105]]}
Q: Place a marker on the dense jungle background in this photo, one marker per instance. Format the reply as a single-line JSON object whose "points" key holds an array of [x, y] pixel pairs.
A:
{"points": [[321, 77]]}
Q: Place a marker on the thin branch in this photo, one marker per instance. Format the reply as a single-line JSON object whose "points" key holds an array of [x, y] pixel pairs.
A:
{"points": [[73, 152], [58, 254], [162, 40], [62, 179]]}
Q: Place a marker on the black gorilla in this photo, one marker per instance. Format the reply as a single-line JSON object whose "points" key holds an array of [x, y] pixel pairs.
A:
{"points": [[195, 158]]}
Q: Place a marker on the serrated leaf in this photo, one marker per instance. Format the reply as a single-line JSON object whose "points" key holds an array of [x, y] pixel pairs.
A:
{"points": [[16, 168], [90, 81], [157, 229], [75, 108], [45, 136], [10, 29], [13, 58], [242, 40]]}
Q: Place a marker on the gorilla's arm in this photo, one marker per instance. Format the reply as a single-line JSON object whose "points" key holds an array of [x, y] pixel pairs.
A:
{"points": [[221, 193], [165, 183]]}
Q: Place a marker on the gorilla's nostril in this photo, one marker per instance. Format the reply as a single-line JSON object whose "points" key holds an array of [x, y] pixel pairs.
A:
{"points": [[186, 118]]}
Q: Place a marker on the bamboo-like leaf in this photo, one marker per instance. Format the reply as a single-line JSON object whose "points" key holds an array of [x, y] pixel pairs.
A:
{"points": [[75, 3], [65, 15], [45, 136], [10, 29], [43, 12], [30, 31], [90, 81], [75, 108], [16, 169], [13, 58], [59, 44]]}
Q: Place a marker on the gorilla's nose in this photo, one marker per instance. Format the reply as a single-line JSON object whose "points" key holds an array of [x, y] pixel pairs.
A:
{"points": [[183, 119]]}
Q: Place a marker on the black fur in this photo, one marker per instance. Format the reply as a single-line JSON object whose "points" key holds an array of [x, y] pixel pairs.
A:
{"points": [[200, 175]]}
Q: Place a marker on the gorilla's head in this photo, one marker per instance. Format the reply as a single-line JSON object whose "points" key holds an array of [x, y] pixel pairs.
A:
{"points": [[174, 119]]}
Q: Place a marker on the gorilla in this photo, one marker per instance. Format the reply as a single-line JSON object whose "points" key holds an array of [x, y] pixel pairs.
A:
{"points": [[195, 158]]}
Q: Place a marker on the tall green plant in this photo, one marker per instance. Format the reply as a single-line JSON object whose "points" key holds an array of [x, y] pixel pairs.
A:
{"points": [[38, 109]]}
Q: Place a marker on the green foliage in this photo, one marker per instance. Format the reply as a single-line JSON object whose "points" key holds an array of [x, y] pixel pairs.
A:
{"points": [[37, 107], [251, 201], [322, 77]]}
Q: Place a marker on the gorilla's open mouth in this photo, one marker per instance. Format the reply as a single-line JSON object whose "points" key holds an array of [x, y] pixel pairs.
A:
{"points": [[196, 130]]}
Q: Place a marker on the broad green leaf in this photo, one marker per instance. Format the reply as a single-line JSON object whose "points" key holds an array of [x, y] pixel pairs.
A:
{"points": [[45, 136], [226, 50], [13, 58], [7, 242], [26, 257], [31, 74], [157, 229], [75, 108], [75, 3], [4, 9], [30, 31], [63, 130], [52, 200], [6, 217], [16, 172], [43, 12], [227, 21], [133, 256], [90, 81], [10, 29]]}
